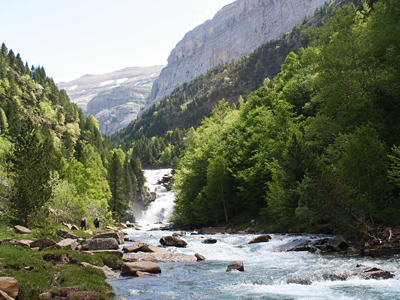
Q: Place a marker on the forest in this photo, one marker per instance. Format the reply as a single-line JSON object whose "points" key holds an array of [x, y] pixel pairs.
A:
{"points": [[316, 147], [55, 166]]}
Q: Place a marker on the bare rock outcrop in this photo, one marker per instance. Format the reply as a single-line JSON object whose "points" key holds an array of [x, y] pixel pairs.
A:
{"points": [[236, 30]]}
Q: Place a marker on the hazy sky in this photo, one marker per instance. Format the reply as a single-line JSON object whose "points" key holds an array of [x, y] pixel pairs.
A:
{"points": [[71, 38]]}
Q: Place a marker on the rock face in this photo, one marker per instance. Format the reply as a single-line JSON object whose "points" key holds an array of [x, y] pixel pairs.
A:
{"points": [[236, 30], [113, 98]]}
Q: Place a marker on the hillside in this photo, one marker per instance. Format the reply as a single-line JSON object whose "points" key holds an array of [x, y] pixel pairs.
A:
{"points": [[114, 98], [235, 30], [186, 106]]}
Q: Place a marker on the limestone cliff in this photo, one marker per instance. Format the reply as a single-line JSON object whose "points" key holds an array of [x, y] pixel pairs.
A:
{"points": [[114, 98], [236, 30]]}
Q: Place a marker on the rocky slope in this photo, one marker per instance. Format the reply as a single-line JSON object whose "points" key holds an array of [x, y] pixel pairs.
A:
{"points": [[236, 30], [113, 98]]}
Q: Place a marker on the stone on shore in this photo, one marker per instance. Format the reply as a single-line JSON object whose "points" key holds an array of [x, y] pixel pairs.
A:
{"points": [[235, 265], [134, 248], [172, 241], [69, 243], [179, 233], [22, 229], [9, 285], [117, 235], [159, 257], [100, 244], [131, 269], [108, 272], [66, 234]]}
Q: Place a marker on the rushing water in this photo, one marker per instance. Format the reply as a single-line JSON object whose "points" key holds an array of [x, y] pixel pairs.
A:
{"points": [[269, 274]]}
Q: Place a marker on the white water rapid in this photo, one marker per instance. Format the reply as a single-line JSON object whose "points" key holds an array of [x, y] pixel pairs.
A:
{"points": [[268, 274]]}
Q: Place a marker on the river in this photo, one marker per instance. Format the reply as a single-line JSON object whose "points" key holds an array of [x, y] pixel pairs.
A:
{"points": [[269, 274]]}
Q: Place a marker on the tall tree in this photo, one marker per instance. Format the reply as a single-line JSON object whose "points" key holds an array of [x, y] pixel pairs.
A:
{"points": [[31, 187], [116, 180]]}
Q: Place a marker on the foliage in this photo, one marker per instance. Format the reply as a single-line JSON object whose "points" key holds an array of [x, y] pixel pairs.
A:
{"points": [[311, 146]]}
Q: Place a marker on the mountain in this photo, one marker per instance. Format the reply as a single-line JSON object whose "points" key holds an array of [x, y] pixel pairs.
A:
{"points": [[114, 98], [188, 104], [236, 30]]}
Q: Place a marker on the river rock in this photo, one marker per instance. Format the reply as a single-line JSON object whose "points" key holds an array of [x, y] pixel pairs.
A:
{"points": [[108, 272], [235, 265], [115, 252], [66, 234], [260, 239], [117, 235], [172, 241], [375, 273], [100, 244], [69, 243], [9, 285], [231, 231], [144, 274], [209, 241], [199, 256], [134, 248], [153, 249], [158, 257], [130, 269], [337, 243], [212, 230], [22, 229], [179, 233], [296, 245], [194, 233]]}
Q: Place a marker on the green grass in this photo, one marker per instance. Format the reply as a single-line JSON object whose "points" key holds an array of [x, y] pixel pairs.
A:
{"points": [[35, 275]]}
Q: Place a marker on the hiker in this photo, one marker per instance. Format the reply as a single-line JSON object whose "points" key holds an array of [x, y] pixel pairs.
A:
{"points": [[83, 223], [97, 224]]}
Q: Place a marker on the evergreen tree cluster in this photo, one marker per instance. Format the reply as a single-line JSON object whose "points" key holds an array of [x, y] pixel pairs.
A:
{"points": [[52, 156], [317, 146]]}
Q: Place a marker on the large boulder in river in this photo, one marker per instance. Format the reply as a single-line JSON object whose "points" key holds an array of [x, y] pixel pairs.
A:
{"points": [[260, 239], [100, 244], [172, 241], [134, 248], [235, 265], [9, 285], [117, 235], [130, 269], [209, 241]]}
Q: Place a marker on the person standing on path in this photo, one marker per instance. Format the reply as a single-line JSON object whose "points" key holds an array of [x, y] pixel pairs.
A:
{"points": [[97, 224], [83, 223]]}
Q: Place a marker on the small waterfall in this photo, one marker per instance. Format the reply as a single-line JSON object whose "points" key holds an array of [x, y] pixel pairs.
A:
{"points": [[160, 209]]}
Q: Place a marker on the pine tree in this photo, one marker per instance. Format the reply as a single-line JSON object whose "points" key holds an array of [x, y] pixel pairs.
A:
{"points": [[31, 187], [118, 202]]}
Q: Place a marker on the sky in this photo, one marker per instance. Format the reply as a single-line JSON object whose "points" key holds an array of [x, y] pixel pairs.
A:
{"points": [[72, 38]]}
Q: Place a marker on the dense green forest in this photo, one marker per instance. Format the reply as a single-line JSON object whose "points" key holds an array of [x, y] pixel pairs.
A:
{"points": [[317, 146], [53, 158]]}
